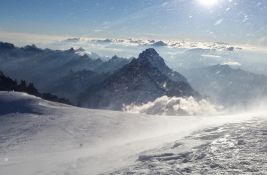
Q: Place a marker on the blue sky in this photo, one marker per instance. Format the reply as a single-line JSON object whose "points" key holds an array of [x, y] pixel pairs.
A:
{"points": [[234, 21]]}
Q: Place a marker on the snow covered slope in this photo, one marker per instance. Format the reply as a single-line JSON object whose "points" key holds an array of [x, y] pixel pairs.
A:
{"points": [[41, 137]]}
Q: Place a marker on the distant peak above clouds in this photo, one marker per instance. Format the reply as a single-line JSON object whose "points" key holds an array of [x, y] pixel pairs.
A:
{"points": [[159, 44], [152, 57], [72, 40], [150, 52]]}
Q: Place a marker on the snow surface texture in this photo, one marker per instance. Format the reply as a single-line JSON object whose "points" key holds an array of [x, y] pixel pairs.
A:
{"points": [[175, 106], [45, 138], [230, 149]]}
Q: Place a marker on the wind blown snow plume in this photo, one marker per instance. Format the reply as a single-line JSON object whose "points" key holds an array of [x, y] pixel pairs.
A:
{"points": [[175, 106]]}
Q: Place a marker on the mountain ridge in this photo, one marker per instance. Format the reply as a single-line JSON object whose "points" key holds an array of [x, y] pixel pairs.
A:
{"points": [[142, 80], [228, 86]]}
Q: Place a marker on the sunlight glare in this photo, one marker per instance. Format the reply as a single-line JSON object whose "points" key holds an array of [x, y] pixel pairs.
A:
{"points": [[208, 3]]}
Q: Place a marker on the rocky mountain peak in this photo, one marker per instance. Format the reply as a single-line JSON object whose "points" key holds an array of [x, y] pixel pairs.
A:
{"points": [[151, 56]]}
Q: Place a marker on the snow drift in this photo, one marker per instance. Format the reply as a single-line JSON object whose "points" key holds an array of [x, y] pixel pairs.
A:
{"points": [[42, 137], [175, 106]]}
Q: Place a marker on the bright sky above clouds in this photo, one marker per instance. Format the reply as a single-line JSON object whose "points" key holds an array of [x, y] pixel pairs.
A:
{"points": [[233, 21]]}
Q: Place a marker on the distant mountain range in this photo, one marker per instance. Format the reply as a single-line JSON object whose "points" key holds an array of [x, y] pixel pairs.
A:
{"points": [[93, 82], [55, 71], [115, 82], [228, 86]]}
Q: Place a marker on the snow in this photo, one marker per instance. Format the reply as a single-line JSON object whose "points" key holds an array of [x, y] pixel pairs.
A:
{"points": [[229, 149], [41, 137]]}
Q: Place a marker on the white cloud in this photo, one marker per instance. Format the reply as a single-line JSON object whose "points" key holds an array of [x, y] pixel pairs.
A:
{"points": [[50, 40], [174, 106], [232, 63], [211, 56], [26, 38], [170, 43]]}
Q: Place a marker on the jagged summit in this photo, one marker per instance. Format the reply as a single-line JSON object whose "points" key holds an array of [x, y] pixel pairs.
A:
{"points": [[80, 49], [32, 48], [116, 58], [151, 55], [149, 51], [70, 50], [159, 44]]}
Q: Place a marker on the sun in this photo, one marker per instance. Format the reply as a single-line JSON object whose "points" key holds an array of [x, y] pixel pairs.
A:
{"points": [[208, 3]]}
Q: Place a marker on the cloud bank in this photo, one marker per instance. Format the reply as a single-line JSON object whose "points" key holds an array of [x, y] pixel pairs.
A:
{"points": [[154, 43], [232, 63], [175, 106]]}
